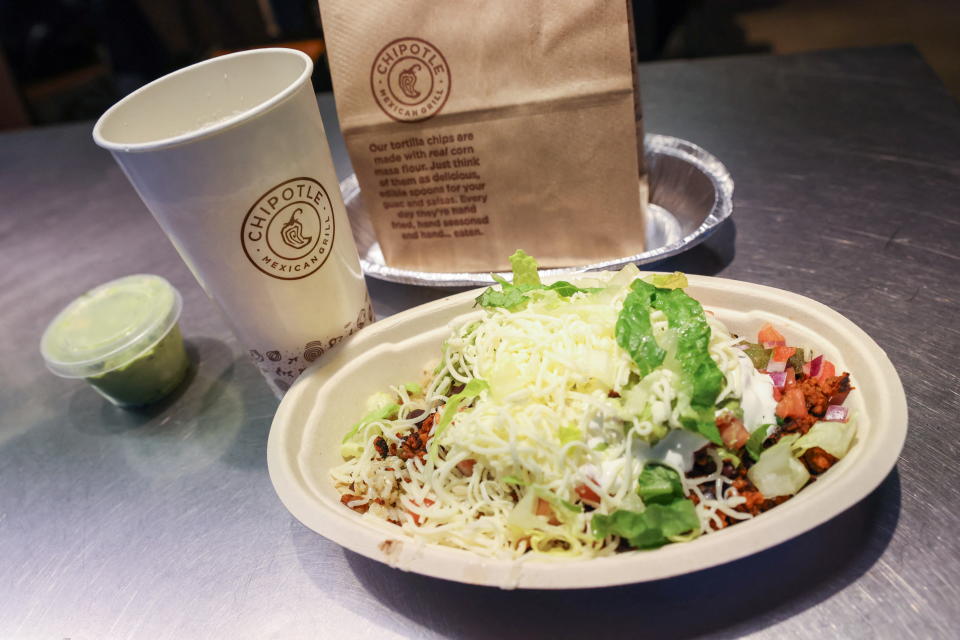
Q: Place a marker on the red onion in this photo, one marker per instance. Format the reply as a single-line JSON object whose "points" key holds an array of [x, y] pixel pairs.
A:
{"points": [[776, 367], [770, 344], [836, 413], [779, 378], [815, 366]]}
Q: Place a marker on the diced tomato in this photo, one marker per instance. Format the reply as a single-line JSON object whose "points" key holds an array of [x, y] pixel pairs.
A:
{"points": [[732, 431], [587, 494], [782, 354], [544, 509], [827, 370], [466, 466], [792, 405], [769, 334], [790, 381]]}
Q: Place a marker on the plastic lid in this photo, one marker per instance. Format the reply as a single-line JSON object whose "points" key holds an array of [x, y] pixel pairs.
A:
{"points": [[109, 326]]}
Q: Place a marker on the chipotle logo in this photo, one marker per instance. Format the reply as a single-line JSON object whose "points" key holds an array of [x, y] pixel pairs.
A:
{"points": [[410, 80], [288, 233]]}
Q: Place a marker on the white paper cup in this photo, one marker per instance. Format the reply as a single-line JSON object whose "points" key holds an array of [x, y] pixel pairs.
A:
{"points": [[231, 158]]}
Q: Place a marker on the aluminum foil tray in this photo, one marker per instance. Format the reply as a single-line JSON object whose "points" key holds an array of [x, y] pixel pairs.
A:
{"points": [[691, 193]]}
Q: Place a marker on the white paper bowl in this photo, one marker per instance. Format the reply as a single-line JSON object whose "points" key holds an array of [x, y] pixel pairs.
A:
{"points": [[329, 397]]}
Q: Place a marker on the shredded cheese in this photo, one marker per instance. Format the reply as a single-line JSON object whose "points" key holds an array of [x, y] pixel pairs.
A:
{"points": [[563, 417]]}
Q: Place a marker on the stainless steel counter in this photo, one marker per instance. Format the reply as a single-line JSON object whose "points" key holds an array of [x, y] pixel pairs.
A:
{"points": [[164, 524]]}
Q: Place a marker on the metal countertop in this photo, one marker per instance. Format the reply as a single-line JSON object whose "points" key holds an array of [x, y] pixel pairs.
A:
{"points": [[164, 524]]}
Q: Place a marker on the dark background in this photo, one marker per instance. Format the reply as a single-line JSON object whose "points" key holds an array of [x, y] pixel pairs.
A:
{"points": [[66, 60]]}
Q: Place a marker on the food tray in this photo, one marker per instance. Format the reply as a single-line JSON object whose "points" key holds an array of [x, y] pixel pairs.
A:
{"points": [[691, 193]]}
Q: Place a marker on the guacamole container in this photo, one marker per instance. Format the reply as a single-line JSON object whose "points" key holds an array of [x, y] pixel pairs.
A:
{"points": [[123, 338]]}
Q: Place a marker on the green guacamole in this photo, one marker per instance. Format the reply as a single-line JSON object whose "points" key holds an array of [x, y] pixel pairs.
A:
{"points": [[121, 337], [148, 377]]}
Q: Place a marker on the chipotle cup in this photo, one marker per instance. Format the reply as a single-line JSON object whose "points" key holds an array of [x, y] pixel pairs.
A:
{"points": [[231, 158]]}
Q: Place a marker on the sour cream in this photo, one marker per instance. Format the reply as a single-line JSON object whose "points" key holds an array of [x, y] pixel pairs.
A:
{"points": [[758, 405]]}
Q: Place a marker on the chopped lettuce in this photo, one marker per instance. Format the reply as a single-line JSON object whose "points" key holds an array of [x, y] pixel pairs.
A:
{"points": [[379, 400], [653, 527], [675, 280], [686, 317], [700, 373], [509, 297], [471, 391], [726, 454], [524, 269], [569, 506], [668, 513], [634, 331], [637, 401], [754, 445], [700, 376], [659, 484], [513, 296], [615, 285], [833, 437], [565, 289], [381, 413], [778, 472], [555, 501], [702, 421], [569, 433]]}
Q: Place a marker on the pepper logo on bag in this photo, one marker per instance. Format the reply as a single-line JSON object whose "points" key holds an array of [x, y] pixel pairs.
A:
{"points": [[410, 80], [288, 233]]}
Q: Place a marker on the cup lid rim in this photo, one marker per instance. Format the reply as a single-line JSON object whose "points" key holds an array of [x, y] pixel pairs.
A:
{"points": [[155, 329]]}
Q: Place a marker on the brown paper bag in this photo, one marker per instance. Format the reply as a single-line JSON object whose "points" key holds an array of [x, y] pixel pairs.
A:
{"points": [[477, 128]]}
